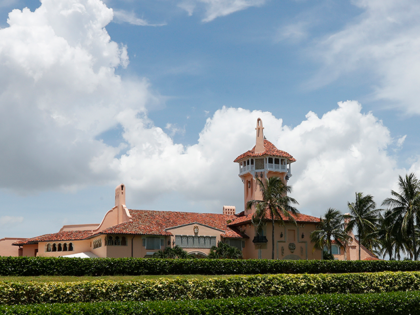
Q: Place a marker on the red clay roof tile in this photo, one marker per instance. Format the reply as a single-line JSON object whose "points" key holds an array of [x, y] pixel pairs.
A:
{"points": [[270, 150], [149, 222], [55, 237]]}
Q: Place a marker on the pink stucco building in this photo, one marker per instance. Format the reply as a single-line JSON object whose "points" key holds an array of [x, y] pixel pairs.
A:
{"points": [[125, 232]]}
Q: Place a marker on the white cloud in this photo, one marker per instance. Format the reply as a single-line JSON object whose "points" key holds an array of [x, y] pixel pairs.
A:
{"points": [[400, 141], [58, 91], [338, 154], [218, 8], [292, 32], [383, 41], [8, 220], [122, 16]]}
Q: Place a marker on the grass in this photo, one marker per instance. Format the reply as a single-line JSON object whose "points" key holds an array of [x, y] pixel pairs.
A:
{"points": [[113, 278]]}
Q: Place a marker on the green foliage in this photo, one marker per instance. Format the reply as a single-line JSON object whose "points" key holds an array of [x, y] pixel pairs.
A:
{"points": [[334, 304], [223, 251], [36, 266], [330, 228], [189, 289], [327, 256], [364, 216], [176, 252], [275, 204]]}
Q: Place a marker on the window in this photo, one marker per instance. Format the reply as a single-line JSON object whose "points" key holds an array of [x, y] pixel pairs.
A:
{"points": [[195, 241], [153, 243], [64, 247], [235, 243], [54, 248], [335, 249], [97, 243], [259, 164], [70, 247], [276, 161], [117, 240], [60, 248], [270, 160], [48, 247], [110, 240]]}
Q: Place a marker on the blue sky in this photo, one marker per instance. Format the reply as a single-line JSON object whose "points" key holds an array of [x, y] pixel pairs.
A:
{"points": [[163, 95]]}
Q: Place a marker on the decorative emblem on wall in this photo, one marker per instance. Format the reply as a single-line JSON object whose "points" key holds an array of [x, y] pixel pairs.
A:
{"points": [[292, 247], [195, 229], [282, 251]]}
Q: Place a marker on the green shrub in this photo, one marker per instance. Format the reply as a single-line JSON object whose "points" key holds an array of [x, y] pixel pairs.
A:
{"points": [[175, 252], [186, 289], [349, 304], [36, 266], [224, 251]]}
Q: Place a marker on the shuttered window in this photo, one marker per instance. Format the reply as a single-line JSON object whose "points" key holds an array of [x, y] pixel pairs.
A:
{"points": [[189, 241]]}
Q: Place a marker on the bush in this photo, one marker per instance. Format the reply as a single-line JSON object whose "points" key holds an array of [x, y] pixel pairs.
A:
{"points": [[176, 252], [36, 266], [224, 251], [349, 304], [187, 289]]}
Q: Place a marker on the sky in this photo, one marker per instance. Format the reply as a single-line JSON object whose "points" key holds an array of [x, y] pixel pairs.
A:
{"points": [[163, 95]]}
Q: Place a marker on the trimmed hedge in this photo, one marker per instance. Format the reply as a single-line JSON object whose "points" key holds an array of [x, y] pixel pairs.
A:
{"points": [[37, 266], [350, 304], [213, 288]]}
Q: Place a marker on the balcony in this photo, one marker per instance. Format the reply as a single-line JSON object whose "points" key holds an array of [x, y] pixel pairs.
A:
{"points": [[259, 239], [277, 167]]}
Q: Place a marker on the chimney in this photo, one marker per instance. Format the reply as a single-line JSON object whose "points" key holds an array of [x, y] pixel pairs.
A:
{"points": [[120, 201], [229, 210]]}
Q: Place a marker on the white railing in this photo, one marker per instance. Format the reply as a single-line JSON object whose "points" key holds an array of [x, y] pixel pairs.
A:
{"points": [[246, 168], [277, 167]]}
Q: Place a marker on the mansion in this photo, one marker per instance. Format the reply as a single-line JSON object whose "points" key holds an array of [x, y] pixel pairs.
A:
{"points": [[125, 232]]}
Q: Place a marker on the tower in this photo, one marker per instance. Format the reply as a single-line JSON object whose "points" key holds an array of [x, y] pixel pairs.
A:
{"points": [[263, 161]]}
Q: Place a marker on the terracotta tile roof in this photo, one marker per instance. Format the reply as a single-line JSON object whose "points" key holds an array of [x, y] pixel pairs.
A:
{"points": [[300, 218], [371, 258], [55, 237], [148, 222], [270, 150]]}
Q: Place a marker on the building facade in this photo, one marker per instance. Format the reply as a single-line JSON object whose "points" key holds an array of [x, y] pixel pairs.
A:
{"points": [[125, 232]]}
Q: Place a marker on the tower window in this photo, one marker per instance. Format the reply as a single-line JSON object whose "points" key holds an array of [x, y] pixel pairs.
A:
{"points": [[270, 160]]}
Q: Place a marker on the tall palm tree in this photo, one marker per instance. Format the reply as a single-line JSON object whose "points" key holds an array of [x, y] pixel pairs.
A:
{"points": [[331, 228], [386, 234], [275, 204], [364, 216], [406, 204]]}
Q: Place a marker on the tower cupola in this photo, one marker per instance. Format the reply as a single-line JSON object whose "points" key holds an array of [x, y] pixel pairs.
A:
{"points": [[263, 161]]}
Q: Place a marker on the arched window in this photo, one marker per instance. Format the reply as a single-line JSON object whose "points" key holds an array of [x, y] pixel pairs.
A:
{"points": [[123, 241], [54, 248], [110, 240], [48, 247], [65, 247], [70, 247], [117, 240], [60, 248]]}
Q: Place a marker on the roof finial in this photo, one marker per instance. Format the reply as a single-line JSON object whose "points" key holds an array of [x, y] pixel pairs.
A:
{"points": [[259, 145]]}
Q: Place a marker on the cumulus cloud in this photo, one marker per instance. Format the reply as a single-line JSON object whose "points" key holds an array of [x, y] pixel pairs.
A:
{"points": [[384, 41], [58, 91], [8, 220], [218, 8], [122, 16], [338, 154]]}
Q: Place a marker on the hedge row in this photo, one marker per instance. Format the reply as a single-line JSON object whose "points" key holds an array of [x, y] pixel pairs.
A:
{"points": [[187, 289], [381, 303], [35, 266]]}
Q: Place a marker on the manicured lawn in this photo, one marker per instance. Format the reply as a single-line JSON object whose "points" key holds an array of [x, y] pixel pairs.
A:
{"points": [[114, 278]]}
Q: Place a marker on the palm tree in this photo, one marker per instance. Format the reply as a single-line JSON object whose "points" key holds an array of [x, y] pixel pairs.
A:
{"points": [[386, 234], [275, 204], [364, 216], [223, 250], [406, 204], [331, 228]]}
